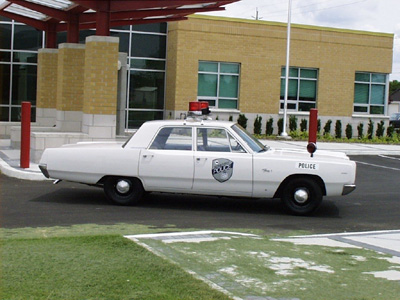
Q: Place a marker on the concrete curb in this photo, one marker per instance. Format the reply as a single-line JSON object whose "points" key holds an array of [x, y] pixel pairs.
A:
{"points": [[26, 174]]}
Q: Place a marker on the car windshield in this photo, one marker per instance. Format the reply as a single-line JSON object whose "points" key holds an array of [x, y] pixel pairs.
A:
{"points": [[395, 116], [250, 140]]}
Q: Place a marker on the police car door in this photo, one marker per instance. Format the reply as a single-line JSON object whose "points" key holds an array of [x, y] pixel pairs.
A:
{"points": [[222, 166], [167, 165]]}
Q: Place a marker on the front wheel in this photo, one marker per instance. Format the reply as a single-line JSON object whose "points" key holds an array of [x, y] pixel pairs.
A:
{"points": [[302, 196], [123, 191]]}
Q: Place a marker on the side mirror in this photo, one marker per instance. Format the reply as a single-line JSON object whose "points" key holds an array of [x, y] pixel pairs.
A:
{"points": [[311, 148]]}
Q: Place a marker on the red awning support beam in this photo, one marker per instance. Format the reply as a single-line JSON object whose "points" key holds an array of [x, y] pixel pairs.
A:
{"points": [[39, 25], [73, 29], [103, 18], [132, 15], [51, 35]]}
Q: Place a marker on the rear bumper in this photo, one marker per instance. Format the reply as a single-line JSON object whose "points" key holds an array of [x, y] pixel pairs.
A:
{"points": [[43, 168], [348, 188]]}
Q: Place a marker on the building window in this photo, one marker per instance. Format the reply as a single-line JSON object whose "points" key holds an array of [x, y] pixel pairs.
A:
{"points": [[18, 67], [369, 93], [218, 84], [146, 81], [302, 91]]}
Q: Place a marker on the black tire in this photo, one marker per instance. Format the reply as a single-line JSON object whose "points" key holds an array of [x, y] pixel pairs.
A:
{"points": [[123, 190], [302, 196]]}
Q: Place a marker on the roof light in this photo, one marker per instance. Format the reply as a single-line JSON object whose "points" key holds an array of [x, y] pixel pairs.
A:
{"points": [[311, 148], [199, 108]]}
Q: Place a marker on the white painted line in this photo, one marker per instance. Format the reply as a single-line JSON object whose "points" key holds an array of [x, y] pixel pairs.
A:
{"points": [[388, 157], [377, 166], [181, 234]]}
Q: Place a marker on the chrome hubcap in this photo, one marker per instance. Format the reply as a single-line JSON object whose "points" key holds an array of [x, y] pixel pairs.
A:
{"points": [[123, 186], [301, 195]]}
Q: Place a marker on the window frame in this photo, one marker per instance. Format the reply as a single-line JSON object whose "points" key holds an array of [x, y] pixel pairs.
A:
{"points": [[217, 98], [298, 79], [370, 84], [228, 138], [172, 128]]}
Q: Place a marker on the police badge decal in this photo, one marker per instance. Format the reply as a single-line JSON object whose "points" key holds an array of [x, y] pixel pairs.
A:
{"points": [[222, 169]]}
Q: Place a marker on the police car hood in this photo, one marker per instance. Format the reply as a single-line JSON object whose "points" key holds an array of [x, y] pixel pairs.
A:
{"points": [[331, 155]]}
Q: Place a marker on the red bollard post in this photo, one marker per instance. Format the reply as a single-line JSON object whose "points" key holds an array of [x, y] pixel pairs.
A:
{"points": [[313, 126], [25, 134]]}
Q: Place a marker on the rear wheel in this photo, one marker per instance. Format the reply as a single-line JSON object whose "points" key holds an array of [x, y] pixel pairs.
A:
{"points": [[123, 190], [302, 196]]}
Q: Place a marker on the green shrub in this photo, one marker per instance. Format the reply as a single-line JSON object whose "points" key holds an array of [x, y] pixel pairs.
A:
{"points": [[257, 124], [292, 123], [381, 129], [327, 127], [338, 129], [370, 132], [280, 126], [297, 134], [303, 125], [242, 121], [390, 131], [360, 130], [269, 129], [349, 131]]}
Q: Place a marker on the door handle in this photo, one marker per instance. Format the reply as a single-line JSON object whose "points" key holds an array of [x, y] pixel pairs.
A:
{"points": [[148, 155], [199, 158]]}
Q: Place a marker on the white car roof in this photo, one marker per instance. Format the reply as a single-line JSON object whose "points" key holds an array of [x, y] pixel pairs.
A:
{"points": [[146, 132], [189, 121]]}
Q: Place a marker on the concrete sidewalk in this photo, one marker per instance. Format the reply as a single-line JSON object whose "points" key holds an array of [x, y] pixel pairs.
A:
{"points": [[10, 158]]}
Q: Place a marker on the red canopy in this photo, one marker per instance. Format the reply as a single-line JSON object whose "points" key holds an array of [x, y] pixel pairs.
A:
{"points": [[53, 16]]}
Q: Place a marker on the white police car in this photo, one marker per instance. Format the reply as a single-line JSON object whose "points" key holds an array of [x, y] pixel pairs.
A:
{"points": [[197, 156]]}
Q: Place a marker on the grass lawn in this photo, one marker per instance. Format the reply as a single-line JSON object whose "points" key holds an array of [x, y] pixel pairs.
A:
{"points": [[97, 262], [92, 267]]}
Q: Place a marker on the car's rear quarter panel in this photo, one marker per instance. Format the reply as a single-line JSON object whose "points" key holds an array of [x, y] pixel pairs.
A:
{"points": [[89, 165]]}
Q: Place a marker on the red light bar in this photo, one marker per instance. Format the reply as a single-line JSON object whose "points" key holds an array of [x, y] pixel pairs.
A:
{"points": [[199, 107]]}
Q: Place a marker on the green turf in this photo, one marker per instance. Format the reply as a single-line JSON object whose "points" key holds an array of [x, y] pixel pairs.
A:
{"points": [[97, 262], [93, 267]]}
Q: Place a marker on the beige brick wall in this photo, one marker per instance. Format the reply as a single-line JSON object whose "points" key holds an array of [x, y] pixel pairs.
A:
{"points": [[70, 77], [46, 94], [101, 62], [260, 48]]}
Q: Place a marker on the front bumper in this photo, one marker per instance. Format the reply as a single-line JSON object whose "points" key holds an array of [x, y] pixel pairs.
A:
{"points": [[348, 188]]}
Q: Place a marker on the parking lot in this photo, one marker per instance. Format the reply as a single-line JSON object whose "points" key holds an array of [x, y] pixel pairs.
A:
{"points": [[375, 205]]}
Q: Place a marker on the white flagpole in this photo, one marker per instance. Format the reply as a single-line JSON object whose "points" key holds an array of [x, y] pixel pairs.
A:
{"points": [[284, 133]]}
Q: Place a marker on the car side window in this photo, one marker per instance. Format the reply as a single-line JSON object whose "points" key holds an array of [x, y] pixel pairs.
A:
{"points": [[173, 138], [213, 139], [235, 146]]}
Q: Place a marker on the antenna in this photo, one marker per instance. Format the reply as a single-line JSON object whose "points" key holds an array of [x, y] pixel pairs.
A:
{"points": [[256, 17]]}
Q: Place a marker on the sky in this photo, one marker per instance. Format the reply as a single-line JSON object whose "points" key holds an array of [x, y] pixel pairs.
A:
{"points": [[368, 15]]}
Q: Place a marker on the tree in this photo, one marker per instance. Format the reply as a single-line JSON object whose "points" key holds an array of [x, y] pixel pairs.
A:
{"points": [[394, 86]]}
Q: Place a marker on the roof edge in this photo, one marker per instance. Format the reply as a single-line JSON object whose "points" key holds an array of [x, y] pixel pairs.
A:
{"points": [[283, 24]]}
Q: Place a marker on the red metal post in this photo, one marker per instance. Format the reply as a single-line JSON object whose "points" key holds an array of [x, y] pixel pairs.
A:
{"points": [[73, 29], [103, 18], [25, 134], [313, 126]]}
